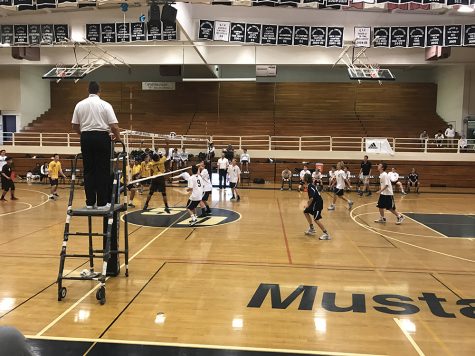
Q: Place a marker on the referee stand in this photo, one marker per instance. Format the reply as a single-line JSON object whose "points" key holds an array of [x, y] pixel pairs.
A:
{"points": [[109, 253]]}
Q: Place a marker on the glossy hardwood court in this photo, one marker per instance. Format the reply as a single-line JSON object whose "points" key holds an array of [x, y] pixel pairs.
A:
{"points": [[254, 284]]}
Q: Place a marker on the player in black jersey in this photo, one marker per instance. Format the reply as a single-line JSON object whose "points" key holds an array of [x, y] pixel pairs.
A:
{"points": [[412, 181], [314, 208]]}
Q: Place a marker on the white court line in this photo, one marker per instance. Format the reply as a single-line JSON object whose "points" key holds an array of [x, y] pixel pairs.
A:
{"points": [[437, 232], [409, 337], [369, 228], [30, 205], [50, 325], [397, 232], [200, 346], [18, 211]]}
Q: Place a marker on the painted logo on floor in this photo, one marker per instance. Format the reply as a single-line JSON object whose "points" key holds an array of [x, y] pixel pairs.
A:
{"points": [[179, 217]]}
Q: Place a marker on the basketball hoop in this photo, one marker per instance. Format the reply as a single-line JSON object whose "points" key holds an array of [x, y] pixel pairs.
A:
{"points": [[374, 73]]}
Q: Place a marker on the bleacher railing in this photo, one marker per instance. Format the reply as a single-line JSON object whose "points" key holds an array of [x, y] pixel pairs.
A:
{"points": [[256, 142]]}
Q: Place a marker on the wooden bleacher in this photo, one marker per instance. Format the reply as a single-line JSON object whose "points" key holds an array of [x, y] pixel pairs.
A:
{"points": [[275, 109]]}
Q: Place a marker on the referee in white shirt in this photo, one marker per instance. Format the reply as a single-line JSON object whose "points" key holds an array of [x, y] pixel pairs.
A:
{"points": [[94, 119]]}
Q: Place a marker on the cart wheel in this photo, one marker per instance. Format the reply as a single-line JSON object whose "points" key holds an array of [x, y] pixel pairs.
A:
{"points": [[62, 293], [101, 295]]}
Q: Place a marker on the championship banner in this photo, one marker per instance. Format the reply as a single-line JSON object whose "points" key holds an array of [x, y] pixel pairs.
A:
{"points": [[378, 145]]}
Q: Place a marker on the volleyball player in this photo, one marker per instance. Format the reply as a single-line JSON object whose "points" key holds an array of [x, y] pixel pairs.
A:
{"points": [[314, 209], [365, 175], [157, 166], [234, 173], [302, 174], [144, 170], [386, 197], [317, 179], [207, 188], [133, 173], [195, 187], [54, 171], [331, 178], [7, 179], [340, 184]]}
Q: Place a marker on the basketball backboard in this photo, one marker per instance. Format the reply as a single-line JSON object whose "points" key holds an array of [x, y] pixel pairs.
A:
{"points": [[59, 73], [366, 73]]}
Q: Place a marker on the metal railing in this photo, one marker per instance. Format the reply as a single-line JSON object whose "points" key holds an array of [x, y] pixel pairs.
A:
{"points": [[256, 142]]}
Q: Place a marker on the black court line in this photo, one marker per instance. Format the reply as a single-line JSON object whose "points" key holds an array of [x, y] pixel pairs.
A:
{"points": [[132, 300], [377, 233], [41, 291], [72, 348], [191, 232], [451, 225], [438, 280]]}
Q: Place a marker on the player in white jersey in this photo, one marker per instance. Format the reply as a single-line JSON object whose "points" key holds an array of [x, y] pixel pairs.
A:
{"points": [[394, 178], [195, 187], [317, 179], [302, 174], [331, 178], [208, 187], [245, 161], [348, 176], [340, 184], [234, 173], [386, 197]]}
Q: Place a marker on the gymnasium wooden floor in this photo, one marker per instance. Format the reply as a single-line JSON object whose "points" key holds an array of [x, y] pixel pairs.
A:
{"points": [[204, 288]]}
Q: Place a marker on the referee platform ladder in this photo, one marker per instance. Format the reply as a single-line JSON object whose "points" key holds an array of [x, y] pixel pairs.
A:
{"points": [[110, 233]]}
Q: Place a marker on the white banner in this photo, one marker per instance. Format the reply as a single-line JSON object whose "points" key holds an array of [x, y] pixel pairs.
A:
{"points": [[158, 85], [221, 30], [266, 70], [363, 37], [378, 145]]}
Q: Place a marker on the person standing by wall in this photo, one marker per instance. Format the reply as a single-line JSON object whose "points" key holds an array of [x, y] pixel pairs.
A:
{"points": [[223, 165], [450, 135], [94, 119], [365, 176], [3, 159], [7, 180]]}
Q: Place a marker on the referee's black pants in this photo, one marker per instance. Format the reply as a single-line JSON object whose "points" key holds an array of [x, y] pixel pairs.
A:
{"points": [[96, 155], [222, 178]]}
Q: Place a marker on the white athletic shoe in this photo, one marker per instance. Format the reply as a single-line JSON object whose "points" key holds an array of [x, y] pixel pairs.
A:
{"points": [[381, 220], [104, 207], [400, 219], [324, 237], [403, 193], [310, 232], [331, 207], [350, 205]]}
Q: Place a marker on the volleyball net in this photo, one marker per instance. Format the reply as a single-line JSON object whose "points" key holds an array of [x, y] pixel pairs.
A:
{"points": [[137, 142]]}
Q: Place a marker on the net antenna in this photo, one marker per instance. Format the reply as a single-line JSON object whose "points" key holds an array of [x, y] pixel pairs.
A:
{"points": [[359, 66], [92, 57]]}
